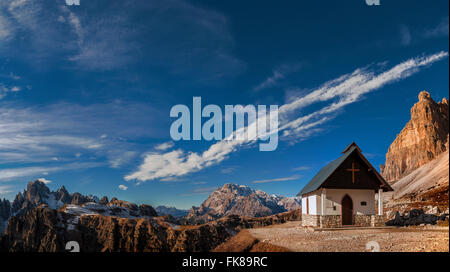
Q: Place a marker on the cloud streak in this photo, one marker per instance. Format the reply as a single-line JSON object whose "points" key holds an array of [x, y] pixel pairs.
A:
{"points": [[340, 92], [295, 177], [278, 74], [21, 172]]}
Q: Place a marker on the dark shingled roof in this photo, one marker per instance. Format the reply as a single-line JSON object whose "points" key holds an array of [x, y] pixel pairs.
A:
{"points": [[324, 173], [329, 169]]}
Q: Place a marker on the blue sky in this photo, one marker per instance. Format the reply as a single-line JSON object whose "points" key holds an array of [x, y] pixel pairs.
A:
{"points": [[85, 91]]}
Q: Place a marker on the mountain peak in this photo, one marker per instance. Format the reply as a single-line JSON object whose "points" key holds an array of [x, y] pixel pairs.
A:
{"points": [[240, 200], [423, 138], [425, 96]]}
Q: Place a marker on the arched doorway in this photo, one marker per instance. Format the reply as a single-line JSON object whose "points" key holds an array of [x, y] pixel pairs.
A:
{"points": [[347, 210]]}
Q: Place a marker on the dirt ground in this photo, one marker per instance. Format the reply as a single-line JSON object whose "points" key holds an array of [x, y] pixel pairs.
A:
{"points": [[413, 239]]}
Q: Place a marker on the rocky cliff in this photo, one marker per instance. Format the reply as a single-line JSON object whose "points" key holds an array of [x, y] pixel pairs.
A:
{"points": [[422, 140], [37, 194], [240, 200], [47, 230]]}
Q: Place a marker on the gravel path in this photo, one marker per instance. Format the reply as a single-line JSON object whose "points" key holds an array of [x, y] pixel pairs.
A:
{"points": [[295, 238]]}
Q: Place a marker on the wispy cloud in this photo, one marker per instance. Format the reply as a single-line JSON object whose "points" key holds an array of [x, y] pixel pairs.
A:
{"points": [[201, 191], [123, 187], [63, 134], [22, 172], [278, 74], [5, 189], [441, 30], [227, 170], [164, 146], [405, 35], [301, 168], [409, 35], [295, 177], [173, 34], [340, 92]]}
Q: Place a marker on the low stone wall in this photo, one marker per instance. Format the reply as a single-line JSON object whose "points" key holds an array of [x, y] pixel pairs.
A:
{"points": [[310, 220], [335, 221], [362, 220], [330, 221]]}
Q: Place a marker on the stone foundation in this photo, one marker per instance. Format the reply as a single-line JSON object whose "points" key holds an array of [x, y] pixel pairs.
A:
{"points": [[330, 221], [310, 220], [335, 221], [362, 220]]}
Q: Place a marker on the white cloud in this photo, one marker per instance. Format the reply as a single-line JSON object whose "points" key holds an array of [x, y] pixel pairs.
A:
{"points": [[5, 29], [183, 37], [44, 180], [340, 92], [201, 191], [301, 168], [32, 171], [164, 146], [5, 189], [441, 30], [295, 177], [278, 74], [119, 158], [405, 35], [39, 134], [123, 187]]}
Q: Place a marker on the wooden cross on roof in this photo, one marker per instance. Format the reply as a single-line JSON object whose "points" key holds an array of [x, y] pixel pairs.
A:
{"points": [[353, 170]]}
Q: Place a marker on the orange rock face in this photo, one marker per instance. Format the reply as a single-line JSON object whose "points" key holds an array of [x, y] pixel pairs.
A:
{"points": [[423, 138]]}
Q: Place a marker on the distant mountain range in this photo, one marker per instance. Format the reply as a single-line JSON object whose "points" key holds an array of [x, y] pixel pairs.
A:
{"points": [[164, 210], [240, 200], [42, 220]]}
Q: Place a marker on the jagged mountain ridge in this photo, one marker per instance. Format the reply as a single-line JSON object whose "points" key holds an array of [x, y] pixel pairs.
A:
{"points": [[37, 194], [240, 200], [422, 140]]}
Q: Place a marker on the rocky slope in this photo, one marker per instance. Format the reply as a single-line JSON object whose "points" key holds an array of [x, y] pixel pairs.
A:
{"points": [[47, 230], [240, 200], [422, 140], [426, 188], [422, 181]]}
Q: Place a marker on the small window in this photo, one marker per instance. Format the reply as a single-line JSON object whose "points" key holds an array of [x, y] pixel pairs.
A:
{"points": [[363, 203], [334, 208]]}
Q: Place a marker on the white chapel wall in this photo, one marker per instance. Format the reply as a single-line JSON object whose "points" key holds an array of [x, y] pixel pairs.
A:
{"points": [[313, 202], [334, 198]]}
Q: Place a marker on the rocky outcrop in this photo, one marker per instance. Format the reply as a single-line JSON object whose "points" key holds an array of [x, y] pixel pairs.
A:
{"points": [[5, 213], [37, 194], [416, 217], [47, 230], [239, 200], [423, 138]]}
